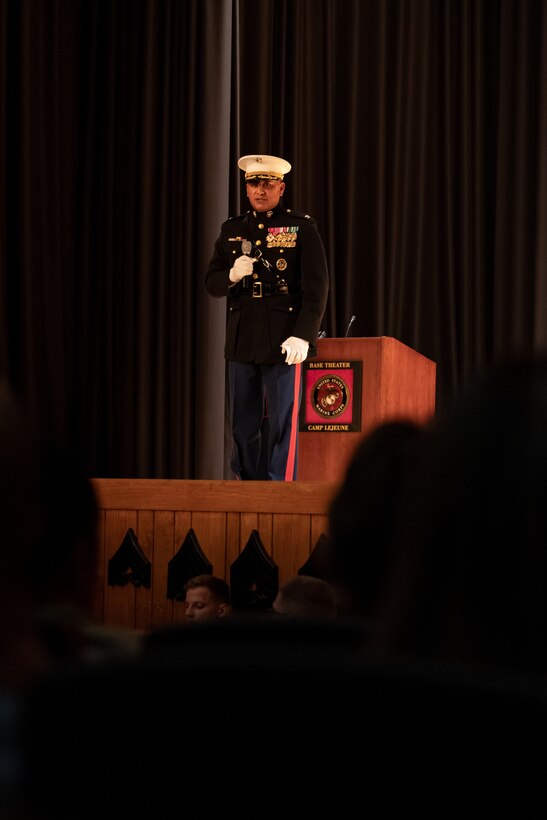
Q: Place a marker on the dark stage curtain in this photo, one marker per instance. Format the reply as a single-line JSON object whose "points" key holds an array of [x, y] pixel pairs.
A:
{"points": [[417, 131]]}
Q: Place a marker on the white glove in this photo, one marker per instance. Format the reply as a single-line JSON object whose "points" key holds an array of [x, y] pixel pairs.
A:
{"points": [[296, 349], [243, 266]]}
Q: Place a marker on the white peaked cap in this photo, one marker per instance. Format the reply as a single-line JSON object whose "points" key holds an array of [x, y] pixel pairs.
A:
{"points": [[263, 166]]}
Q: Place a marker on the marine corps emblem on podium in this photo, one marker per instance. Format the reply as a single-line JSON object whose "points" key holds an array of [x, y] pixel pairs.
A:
{"points": [[332, 393]]}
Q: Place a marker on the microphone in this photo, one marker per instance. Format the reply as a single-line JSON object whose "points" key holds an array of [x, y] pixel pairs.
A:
{"points": [[321, 334], [351, 321]]}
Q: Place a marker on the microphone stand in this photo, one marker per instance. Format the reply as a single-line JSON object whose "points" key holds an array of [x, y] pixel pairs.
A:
{"points": [[351, 321]]}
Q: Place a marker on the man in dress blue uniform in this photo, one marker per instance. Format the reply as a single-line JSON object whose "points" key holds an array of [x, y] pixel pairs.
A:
{"points": [[270, 263]]}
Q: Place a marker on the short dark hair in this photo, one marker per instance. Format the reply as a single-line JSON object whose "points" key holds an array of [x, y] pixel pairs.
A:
{"points": [[218, 587], [306, 596]]}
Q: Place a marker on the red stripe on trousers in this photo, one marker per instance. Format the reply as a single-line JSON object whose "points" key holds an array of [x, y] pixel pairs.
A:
{"points": [[291, 458]]}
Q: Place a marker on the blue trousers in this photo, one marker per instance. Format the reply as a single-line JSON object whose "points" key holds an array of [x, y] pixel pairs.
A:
{"points": [[264, 406]]}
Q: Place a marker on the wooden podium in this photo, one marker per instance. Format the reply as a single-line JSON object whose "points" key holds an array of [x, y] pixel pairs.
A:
{"points": [[391, 381]]}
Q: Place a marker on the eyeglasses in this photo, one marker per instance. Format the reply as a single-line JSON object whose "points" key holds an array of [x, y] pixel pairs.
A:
{"points": [[267, 184]]}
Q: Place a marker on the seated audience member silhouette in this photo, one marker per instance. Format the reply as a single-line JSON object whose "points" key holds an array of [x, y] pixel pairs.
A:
{"points": [[122, 734], [23, 657], [49, 559], [364, 512], [304, 596], [206, 598], [470, 580], [22, 654], [65, 558]]}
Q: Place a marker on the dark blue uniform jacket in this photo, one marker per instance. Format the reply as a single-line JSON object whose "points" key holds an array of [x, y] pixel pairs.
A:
{"points": [[287, 292]]}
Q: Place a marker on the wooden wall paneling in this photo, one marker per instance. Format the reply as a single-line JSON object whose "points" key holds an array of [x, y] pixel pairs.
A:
{"points": [[290, 543], [199, 495], [119, 610], [144, 531], [289, 517], [265, 530], [319, 527], [163, 535], [97, 612], [233, 541], [210, 530], [183, 523], [248, 521], [179, 612]]}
